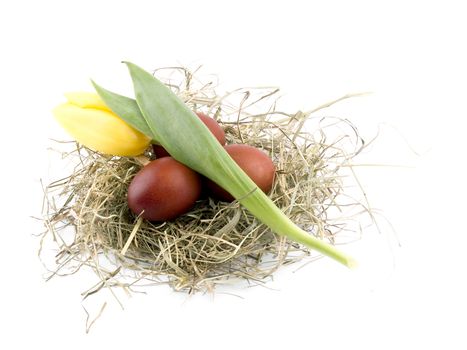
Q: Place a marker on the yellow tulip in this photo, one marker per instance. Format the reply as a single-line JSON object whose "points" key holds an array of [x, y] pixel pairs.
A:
{"points": [[90, 122]]}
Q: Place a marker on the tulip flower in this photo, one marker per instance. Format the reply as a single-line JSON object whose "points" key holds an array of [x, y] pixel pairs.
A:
{"points": [[90, 122]]}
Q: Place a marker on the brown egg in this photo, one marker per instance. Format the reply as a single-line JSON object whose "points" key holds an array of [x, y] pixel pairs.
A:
{"points": [[254, 162], [163, 190], [212, 125], [160, 151]]}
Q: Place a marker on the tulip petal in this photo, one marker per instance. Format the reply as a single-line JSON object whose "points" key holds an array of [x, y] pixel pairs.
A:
{"points": [[86, 100], [126, 108], [100, 130]]}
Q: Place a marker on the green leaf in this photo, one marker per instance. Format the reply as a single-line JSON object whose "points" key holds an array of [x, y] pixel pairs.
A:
{"points": [[190, 142], [126, 108]]}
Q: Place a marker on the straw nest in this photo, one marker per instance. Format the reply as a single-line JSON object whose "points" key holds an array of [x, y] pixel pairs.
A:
{"points": [[87, 217]]}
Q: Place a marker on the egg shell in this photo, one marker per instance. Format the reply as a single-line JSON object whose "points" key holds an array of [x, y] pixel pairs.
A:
{"points": [[163, 190], [254, 162], [212, 125]]}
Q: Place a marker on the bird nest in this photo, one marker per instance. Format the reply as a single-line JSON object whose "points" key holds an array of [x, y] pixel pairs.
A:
{"points": [[88, 220]]}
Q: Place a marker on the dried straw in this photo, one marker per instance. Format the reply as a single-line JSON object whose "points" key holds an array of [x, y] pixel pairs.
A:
{"points": [[215, 242]]}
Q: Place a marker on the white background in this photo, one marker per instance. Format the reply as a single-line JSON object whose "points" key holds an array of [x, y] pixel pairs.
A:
{"points": [[410, 54]]}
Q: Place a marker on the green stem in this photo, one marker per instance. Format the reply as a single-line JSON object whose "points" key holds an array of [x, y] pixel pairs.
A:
{"points": [[274, 218]]}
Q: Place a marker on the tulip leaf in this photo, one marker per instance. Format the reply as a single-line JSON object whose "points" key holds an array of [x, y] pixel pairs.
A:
{"points": [[126, 108], [190, 142]]}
